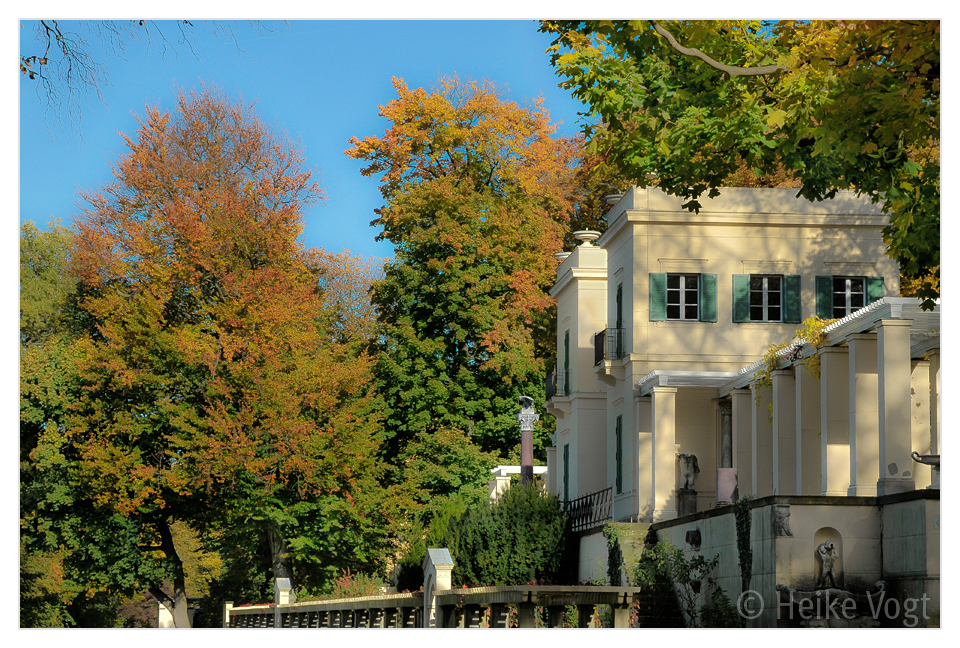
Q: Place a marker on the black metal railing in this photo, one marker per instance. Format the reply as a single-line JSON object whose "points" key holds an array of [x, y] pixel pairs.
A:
{"points": [[557, 382], [608, 345], [591, 510]]}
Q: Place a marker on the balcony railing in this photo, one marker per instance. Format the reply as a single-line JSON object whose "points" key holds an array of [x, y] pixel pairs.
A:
{"points": [[591, 510], [557, 382], [608, 345]]}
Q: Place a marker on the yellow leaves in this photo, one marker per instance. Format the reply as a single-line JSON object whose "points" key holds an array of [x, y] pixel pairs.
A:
{"points": [[776, 118], [868, 147]]}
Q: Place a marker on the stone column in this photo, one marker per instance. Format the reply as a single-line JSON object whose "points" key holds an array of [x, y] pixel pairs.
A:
{"points": [[227, 607], [784, 432], [742, 419], [762, 442], [552, 467], [644, 459], [935, 401], [527, 417], [437, 575], [726, 432], [920, 419], [893, 365], [808, 432], [864, 430], [664, 453], [834, 421]]}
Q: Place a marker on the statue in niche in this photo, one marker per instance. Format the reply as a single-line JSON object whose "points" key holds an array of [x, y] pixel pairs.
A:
{"points": [[828, 558], [689, 469], [781, 521]]}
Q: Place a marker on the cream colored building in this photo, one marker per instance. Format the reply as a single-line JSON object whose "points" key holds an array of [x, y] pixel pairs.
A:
{"points": [[662, 322]]}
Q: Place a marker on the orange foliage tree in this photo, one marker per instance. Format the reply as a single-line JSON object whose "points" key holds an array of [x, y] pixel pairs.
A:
{"points": [[477, 195], [214, 388]]}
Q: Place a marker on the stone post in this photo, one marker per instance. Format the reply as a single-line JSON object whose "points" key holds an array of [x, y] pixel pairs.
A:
{"points": [[742, 438], [808, 432], [527, 418], [227, 606], [784, 432], [437, 575], [727, 492], [893, 365], [762, 441], [920, 419], [664, 452], [864, 432], [834, 421]]}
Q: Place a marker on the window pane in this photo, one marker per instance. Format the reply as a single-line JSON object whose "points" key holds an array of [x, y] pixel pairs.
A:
{"points": [[673, 296], [840, 312], [756, 299], [856, 301], [856, 285], [673, 281], [756, 283], [756, 313], [773, 283], [773, 298], [691, 281], [839, 284], [673, 311], [690, 312], [773, 314], [839, 300]]}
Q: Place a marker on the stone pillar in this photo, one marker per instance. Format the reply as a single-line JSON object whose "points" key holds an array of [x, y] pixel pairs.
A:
{"points": [[834, 421], [437, 575], [664, 453], [935, 401], [808, 432], [726, 432], [762, 442], [920, 419], [227, 606], [864, 425], [527, 417], [784, 432], [644, 459], [742, 419], [552, 468], [893, 365]]}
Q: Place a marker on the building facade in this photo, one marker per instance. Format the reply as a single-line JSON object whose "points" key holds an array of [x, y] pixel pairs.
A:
{"points": [[663, 324]]}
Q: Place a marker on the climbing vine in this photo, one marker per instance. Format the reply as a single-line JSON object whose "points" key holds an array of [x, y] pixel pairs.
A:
{"points": [[811, 332], [741, 513]]}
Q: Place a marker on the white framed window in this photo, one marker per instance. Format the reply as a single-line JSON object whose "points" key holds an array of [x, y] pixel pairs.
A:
{"points": [[683, 296], [766, 298], [849, 295]]}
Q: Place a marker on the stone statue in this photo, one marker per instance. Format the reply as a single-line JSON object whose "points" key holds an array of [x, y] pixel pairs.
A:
{"points": [[781, 521], [527, 416], [828, 557], [689, 469]]}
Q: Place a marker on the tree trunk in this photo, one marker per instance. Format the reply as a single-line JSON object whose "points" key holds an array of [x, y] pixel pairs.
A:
{"points": [[177, 604]]}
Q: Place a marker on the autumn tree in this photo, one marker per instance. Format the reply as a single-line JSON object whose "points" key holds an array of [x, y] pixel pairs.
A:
{"points": [[213, 390], [837, 104], [477, 199]]}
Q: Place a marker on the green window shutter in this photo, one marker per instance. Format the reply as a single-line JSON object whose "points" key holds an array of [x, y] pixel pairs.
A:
{"points": [[658, 296], [741, 298], [825, 297], [874, 289], [619, 454], [566, 472], [708, 298], [791, 299]]}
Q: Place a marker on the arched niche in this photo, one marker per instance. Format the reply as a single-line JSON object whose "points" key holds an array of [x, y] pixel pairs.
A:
{"points": [[822, 535]]}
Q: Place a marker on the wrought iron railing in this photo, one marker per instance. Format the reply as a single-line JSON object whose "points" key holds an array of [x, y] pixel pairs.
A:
{"points": [[591, 510], [557, 382], [608, 345]]}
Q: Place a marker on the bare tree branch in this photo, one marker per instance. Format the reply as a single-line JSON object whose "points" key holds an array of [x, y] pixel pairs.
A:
{"points": [[732, 70]]}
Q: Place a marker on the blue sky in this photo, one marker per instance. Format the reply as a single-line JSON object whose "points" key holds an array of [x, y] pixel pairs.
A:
{"points": [[321, 81]]}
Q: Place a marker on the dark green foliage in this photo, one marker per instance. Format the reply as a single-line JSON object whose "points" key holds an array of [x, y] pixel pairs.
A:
{"points": [[522, 538]]}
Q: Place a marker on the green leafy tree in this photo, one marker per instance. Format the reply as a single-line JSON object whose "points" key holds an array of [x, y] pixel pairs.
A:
{"points": [[521, 538], [477, 194], [838, 104]]}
